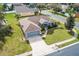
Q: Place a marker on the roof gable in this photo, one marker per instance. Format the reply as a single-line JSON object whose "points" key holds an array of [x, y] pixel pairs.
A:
{"points": [[32, 28]]}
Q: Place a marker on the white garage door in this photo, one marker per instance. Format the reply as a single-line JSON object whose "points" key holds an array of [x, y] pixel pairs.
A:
{"points": [[31, 34]]}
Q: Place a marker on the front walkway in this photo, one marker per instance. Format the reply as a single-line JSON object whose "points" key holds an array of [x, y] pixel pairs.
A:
{"points": [[39, 47]]}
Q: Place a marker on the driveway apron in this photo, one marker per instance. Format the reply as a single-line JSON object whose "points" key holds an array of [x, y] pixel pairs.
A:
{"points": [[39, 47]]}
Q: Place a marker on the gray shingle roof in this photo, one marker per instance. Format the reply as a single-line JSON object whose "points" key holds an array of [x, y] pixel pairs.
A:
{"points": [[28, 26], [22, 9]]}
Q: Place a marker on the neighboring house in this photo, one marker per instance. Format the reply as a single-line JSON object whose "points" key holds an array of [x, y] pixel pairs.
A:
{"points": [[77, 15], [22, 10], [76, 6], [8, 6], [64, 6], [31, 26]]}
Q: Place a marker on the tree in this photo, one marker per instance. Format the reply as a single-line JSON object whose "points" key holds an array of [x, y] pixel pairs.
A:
{"points": [[70, 10], [40, 7], [36, 13], [70, 23], [56, 9], [11, 8], [5, 31], [4, 6], [1, 16], [17, 16]]}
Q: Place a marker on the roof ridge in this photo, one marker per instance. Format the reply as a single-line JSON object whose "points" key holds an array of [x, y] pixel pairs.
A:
{"points": [[33, 24]]}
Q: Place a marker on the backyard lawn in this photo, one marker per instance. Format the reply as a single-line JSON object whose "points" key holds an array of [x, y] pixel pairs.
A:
{"points": [[57, 35], [14, 44]]}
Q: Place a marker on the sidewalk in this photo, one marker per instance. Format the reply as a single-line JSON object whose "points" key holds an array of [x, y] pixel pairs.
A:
{"points": [[68, 40]]}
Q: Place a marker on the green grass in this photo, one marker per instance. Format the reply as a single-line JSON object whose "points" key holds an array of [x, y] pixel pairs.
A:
{"points": [[61, 14], [68, 43], [57, 35], [71, 42], [14, 44], [1, 7]]}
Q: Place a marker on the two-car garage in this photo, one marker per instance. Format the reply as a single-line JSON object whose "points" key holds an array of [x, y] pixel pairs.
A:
{"points": [[31, 34], [32, 30]]}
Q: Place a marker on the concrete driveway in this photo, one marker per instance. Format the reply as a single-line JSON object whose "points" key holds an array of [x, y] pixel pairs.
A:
{"points": [[39, 47]]}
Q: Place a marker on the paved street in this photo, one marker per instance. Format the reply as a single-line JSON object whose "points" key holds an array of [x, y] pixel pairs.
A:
{"points": [[69, 51], [54, 16], [77, 25], [58, 18]]}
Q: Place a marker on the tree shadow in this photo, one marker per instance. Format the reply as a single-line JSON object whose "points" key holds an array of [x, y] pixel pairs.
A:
{"points": [[78, 37], [71, 33], [50, 31], [27, 41], [5, 31]]}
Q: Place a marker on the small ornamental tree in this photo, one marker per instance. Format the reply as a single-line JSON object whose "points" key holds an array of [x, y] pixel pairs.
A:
{"points": [[70, 23]]}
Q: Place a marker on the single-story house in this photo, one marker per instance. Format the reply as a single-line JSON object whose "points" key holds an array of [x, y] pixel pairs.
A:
{"points": [[8, 6], [76, 7], [22, 10], [31, 26], [77, 15], [64, 6], [36, 19]]}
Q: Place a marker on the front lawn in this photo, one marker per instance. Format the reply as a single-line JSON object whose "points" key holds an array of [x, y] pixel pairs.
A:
{"points": [[14, 43], [71, 42], [57, 35], [68, 43]]}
